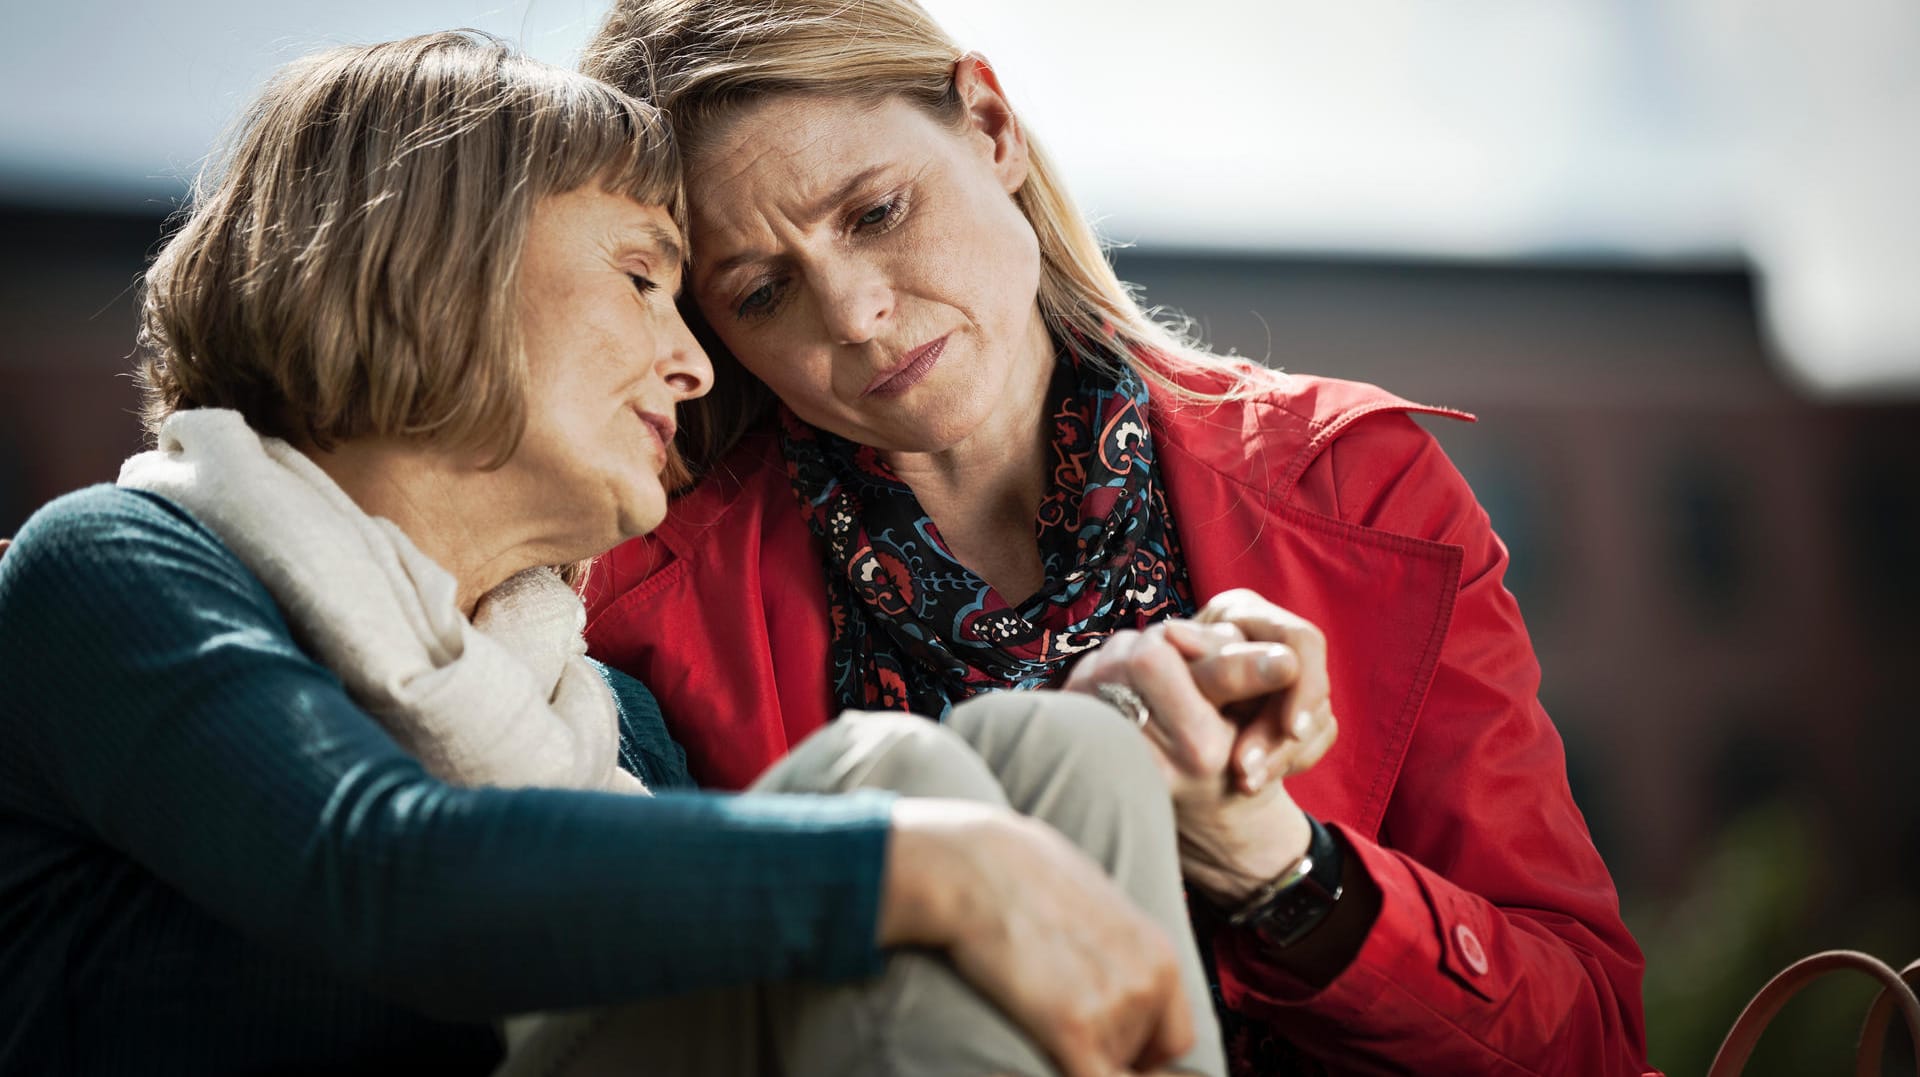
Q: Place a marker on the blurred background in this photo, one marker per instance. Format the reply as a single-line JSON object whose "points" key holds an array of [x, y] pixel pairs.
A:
{"points": [[1669, 252]]}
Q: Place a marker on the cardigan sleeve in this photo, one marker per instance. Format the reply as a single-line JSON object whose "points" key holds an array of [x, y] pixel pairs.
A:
{"points": [[158, 705], [1499, 946]]}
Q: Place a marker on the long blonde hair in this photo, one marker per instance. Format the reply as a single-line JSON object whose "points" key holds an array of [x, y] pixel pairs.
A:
{"points": [[351, 267], [698, 59]]}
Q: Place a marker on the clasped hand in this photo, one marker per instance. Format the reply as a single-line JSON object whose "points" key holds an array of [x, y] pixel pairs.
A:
{"points": [[1239, 701]]}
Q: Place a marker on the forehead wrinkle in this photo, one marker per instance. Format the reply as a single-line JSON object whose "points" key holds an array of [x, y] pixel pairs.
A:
{"points": [[728, 161], [732, 232], [735, 145], [706, 271], [660, 242]]}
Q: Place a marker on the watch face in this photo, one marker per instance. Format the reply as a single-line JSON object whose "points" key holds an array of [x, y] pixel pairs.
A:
{"points": [[1303, 903], [1296, 912]]}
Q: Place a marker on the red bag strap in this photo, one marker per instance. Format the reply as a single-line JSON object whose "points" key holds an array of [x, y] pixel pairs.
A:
{"points": [[1873, 1034], [1745, 1034]]}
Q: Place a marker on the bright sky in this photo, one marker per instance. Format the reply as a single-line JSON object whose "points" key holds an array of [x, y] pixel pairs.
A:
{"points": [[1468, 128], [1630, 130]]}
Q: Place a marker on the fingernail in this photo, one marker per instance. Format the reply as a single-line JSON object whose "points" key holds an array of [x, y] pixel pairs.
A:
{"points": [[1301, 725], [1222, 629], [1271, 660], [1250, 761]]}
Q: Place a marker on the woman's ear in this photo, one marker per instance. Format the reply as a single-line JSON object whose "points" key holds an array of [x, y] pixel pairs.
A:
{"points": [[991, 120]]}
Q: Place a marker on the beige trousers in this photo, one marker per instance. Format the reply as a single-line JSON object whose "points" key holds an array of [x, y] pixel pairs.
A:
{"points": [[1068, 760]]}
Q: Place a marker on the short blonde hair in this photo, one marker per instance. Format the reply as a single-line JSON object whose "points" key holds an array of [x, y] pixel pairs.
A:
{"points": [[698, 59], [351, 269]]}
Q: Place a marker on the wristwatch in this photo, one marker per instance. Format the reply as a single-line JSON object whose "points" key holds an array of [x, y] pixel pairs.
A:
{"points": [[1283, 911]]}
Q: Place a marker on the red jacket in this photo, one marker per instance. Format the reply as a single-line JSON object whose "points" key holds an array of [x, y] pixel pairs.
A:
{"points": [[1499, 948]]}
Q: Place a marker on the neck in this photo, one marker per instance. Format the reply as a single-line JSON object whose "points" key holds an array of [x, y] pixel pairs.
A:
{"points": [[451, 511], [1005, 458], [984, 493]]}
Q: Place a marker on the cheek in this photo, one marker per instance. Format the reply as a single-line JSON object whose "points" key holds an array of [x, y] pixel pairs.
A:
{"points": [[577, 416], [554, 441], [989, 261], [1018, 254]]}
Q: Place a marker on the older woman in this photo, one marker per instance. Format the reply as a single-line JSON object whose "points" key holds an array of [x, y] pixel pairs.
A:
{"points": [[304, 767], [985, 460]]}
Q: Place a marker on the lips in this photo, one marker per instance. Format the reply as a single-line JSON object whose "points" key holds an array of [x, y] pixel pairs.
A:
{"points": [[913, 367], [661, 425]]}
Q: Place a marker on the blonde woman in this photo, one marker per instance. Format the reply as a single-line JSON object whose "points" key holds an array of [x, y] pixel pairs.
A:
{"points": [[947, 454], [303, 768]]}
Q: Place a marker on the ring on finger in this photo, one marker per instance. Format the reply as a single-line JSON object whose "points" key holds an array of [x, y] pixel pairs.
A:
{"points": [[1126, 701]]}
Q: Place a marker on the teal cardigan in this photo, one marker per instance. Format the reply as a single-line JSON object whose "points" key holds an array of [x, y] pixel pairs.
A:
{"points": [[212, 861]]}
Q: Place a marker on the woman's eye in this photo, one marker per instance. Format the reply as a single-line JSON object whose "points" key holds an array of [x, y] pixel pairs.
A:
{"points": [[883, 217], [641, 284], [759, 301]]}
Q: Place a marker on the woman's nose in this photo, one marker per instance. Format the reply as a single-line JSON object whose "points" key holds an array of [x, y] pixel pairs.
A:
{"points": [[854, 301], [685, 368]]}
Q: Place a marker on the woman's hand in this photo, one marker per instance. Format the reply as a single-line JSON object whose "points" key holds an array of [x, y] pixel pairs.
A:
{"points": [[1203, 685], [1035, 925], [1288, 730]]}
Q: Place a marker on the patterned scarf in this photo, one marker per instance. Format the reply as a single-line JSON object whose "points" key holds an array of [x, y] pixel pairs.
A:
{"points": [[915, 630]]}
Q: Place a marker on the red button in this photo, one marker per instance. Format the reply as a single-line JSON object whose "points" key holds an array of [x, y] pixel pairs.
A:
{"points": [[1470, 949]]}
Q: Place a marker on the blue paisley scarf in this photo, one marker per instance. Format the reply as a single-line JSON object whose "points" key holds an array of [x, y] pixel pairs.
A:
{"points": [[915, 630]]}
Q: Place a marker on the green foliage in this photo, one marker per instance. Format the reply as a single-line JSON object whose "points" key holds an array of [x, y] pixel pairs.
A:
{"points": [[1753, 907]]}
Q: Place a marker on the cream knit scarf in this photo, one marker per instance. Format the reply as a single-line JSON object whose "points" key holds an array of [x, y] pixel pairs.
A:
{"points": [[507, 699]]}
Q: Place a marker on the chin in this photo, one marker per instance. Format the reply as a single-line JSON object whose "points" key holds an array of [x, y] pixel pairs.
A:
{"points": [[640, 516], [931, 422], [943, 427], [638, 528]]}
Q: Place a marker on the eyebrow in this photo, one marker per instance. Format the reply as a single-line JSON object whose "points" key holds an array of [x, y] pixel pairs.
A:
{"points": [[668, 245], [818, 209], [826, 205]]}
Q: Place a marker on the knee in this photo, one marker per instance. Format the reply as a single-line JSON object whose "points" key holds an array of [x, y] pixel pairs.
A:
{"points": [[901, 752], [1066, 729], [906, 740]]}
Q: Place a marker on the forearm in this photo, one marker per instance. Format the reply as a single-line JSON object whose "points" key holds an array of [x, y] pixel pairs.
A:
{"points": [[474, 903], [497, 902]]}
